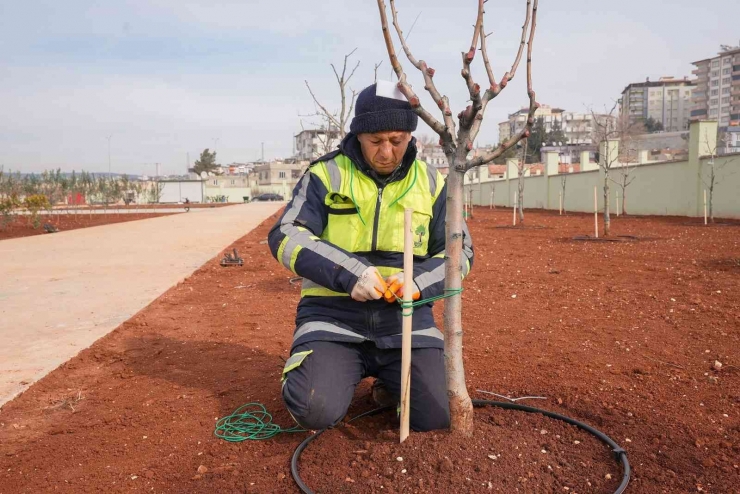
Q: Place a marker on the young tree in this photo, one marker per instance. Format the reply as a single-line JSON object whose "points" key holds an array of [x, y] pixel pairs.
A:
{"points": [[521, 167], [334, 123], [563, 180], [605, 133], [536, 140], [457, 143], [652, 125], [556, 136], [206, 162], [713, 174]]}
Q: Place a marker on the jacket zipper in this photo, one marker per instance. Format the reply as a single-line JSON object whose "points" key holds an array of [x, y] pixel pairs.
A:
{"points": [[377, 219]]}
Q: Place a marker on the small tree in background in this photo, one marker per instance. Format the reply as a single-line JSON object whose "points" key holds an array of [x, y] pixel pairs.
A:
{"points": [[652, 125], [536, 140], [556, 136], [334, 123], [713, 174], [206, 162], [563, 181], [604, 132]]}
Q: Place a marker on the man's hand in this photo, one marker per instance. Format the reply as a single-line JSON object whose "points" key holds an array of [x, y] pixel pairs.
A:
{"points": [[370, 286], [395, 288]]}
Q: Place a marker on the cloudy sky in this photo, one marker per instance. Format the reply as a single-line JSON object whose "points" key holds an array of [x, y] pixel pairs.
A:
{"points": [[165, 78]]}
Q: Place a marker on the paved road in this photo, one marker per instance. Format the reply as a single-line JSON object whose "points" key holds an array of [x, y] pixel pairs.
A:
{"points": [[59, 293]]}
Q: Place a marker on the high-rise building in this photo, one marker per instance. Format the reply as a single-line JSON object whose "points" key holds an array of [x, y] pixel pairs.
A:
{"points": [[717, 94], [666, 100]]}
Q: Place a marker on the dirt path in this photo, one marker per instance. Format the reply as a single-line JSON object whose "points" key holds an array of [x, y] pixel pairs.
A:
{"points": [[61, 292], [623, 336]]}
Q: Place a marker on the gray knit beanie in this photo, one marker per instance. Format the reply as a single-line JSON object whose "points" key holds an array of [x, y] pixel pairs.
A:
{"points": [[374, 113]]}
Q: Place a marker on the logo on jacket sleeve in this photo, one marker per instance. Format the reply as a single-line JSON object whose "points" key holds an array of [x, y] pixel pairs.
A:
{"points": [[421, 230]]}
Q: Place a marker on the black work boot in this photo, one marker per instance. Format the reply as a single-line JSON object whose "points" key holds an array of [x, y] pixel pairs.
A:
{"points": [[381, 396]]}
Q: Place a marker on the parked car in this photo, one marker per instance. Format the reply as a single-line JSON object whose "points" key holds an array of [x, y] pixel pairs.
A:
{"points": [[269, 197]]}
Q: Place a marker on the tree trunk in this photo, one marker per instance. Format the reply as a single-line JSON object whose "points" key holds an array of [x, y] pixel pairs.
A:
{"points": [[520, 198], [624, 201], [461, 407], [607, 225], [563, 197], [711, 197]]}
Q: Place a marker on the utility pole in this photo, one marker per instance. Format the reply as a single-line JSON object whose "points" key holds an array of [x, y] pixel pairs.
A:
{"points": [[215, 144], [263, 152]]}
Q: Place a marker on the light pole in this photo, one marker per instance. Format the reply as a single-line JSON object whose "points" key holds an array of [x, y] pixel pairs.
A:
{"points": [[109, 167]]}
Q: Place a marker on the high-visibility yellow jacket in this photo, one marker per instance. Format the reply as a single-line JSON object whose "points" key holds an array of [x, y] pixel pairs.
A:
{"points": [[344, 218]]}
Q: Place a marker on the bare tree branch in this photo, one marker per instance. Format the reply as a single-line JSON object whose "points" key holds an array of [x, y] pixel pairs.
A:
{"points": [[486, 60], [526, 131], [510, 75], [376, 70], [468, 115], [324, 112], [446, 131]]}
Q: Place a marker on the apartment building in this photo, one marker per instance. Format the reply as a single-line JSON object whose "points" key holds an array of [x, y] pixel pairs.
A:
{"points": [[314, 143], [667, 100], [578, 128], [717, 94]]}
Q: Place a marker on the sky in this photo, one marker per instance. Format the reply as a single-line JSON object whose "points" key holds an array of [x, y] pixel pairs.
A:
{"points": [[157, 81]]}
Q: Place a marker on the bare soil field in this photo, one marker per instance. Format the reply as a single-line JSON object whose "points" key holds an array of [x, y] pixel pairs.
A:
{"points": [[639, 339], [22, 226]]}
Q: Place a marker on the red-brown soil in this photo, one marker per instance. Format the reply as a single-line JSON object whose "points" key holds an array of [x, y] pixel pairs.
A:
{"points": [[21, 226], [623, 336]]}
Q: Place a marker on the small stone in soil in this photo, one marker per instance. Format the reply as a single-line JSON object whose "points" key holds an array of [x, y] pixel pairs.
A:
{"points": [[445, 465], [202, 469]]}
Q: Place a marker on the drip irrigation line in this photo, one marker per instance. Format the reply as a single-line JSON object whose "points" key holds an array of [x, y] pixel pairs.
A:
{"points": [[620, 455]]}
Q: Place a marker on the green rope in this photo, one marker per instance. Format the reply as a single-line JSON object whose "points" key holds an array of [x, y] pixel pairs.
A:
{"points": [[407, 308], [250, 422], [352, 194], [416, 171]]}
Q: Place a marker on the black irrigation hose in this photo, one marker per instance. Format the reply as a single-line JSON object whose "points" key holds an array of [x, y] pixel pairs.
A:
{"points": [[619, 454]]}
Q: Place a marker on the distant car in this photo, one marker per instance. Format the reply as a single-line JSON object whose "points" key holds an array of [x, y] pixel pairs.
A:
{"points": [[269, 197]]}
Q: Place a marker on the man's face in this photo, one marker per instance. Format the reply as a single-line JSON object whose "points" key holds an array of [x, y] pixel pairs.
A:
{"points": [[384, 150]]}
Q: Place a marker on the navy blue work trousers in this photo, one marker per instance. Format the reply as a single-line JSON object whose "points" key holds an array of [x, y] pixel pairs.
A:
{"points": [[318, 392]]}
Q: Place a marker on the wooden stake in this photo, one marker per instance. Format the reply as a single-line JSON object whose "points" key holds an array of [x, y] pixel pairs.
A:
{"points": [[408, 283], [596, 213], [516, 205], [561, 203], [705, 206], [617, 192]]}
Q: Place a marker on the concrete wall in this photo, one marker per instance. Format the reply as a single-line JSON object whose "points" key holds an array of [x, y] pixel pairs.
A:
{"points": [[668, 188], [177, 191]]}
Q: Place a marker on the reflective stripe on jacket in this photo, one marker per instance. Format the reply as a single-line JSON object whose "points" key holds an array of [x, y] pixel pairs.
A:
{"points": [[341, 221]]}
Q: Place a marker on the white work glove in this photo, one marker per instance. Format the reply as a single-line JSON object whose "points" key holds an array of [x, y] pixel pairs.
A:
{"points": [[395, 288], [370, 286]]}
